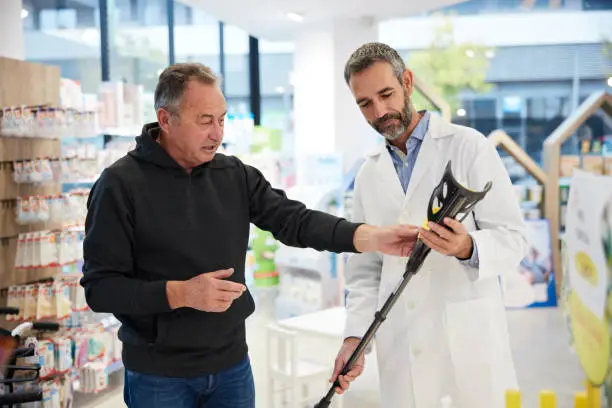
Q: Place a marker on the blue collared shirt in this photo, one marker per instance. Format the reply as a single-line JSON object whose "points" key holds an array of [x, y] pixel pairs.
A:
{"points": [[404, 164]]}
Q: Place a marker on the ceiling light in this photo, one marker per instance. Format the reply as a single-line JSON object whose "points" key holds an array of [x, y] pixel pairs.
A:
{"points": [[279, 89], [298, 18], [610, 81], [24, 13], [461, 112], [490, 54], [470, 53]]}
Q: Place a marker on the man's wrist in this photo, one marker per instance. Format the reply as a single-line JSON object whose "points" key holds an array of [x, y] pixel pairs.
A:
{"points": [[175, 292], [467, 251], [366, 238]]}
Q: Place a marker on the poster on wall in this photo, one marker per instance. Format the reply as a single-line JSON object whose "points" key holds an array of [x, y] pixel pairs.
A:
{"points": [[533, 284], [588, 243]]}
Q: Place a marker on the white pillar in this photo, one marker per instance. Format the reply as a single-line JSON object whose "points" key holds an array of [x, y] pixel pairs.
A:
{"points": [[326, 117], [11, 30]]}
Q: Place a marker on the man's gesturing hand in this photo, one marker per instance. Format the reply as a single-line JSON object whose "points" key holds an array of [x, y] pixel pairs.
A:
{"points": [[397, 240], [452, 242], [208, 292], [349, 345]]}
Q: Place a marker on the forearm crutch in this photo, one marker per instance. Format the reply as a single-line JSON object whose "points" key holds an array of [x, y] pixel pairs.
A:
{"points": [[448, 200]]}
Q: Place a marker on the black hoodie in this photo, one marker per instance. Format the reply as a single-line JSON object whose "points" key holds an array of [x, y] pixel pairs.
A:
{"points": [[150, 222]]}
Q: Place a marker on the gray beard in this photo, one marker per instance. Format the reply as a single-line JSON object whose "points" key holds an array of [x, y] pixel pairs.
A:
{"points": [[405, 119], [395, 134]]}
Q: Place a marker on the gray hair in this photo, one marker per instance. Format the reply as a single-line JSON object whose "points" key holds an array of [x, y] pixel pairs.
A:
{"points": [[173, 81], [368, 54]]}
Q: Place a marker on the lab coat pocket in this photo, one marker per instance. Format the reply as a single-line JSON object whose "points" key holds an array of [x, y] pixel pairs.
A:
{"points": [[472, 340], [469, 331]]}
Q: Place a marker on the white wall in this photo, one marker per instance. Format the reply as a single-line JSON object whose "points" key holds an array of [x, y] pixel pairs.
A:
{"points": [[327, 119]]}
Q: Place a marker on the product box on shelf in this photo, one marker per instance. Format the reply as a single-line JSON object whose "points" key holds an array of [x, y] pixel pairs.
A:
{"points": [[533, 284], [264, 246]]}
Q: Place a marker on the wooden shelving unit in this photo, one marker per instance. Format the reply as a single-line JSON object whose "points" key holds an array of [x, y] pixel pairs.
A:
{"points": [[23, 84]]}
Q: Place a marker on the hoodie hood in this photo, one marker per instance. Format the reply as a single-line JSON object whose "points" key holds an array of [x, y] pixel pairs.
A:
{"points": [[148, 150]]}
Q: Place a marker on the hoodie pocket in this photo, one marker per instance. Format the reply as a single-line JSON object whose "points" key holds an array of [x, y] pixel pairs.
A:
{"points": [[190, 329]]}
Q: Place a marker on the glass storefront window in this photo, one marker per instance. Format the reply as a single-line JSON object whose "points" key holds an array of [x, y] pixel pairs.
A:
{"points": [[196, 37], [138, 41], [67, 37], [237, 87]]}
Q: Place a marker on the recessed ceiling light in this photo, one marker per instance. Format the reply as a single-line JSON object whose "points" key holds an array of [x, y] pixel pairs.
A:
{"points": [[24, 13], [610, 81], [298, 18]]}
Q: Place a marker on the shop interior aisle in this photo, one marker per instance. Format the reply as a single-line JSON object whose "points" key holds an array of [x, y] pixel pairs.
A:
{"points": [[539, 340]]}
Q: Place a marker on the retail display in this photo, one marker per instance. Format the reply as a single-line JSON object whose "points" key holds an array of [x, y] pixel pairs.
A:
{"points": [[263, 246], [448, 200], [25, 380], [589, 251], [309, 279], [51, 151], [534, 283], [556, 166], [529, 193], [44, 121]]}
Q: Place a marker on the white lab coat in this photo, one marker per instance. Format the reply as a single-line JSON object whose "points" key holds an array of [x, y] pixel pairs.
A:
{"points": [[447, 334]]}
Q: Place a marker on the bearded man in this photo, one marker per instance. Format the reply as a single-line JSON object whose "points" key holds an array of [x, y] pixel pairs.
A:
{"points": [[446, 336]]}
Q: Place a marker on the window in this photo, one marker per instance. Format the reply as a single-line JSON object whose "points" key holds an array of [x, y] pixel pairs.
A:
{"points": [[544, 115], [67, 37], [484, 114], [492, 6], [237, 87], [196, 37], [276, 64], [597, 5], [139, 41]]}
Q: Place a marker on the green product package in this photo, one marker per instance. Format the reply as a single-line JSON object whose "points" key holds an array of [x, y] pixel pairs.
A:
{"points": [[264, 246]]}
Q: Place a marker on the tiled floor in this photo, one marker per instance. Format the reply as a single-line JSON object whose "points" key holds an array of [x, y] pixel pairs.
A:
{"points": [[539, 339]]}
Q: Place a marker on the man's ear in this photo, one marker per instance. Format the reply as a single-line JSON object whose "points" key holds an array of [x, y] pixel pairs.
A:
{"points": [[163, 118], [408, 81]]}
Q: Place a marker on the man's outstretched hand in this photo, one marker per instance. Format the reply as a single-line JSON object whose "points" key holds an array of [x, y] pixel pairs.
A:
{"points": [[397, 240]]}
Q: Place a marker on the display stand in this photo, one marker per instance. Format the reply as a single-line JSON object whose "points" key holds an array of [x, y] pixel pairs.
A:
{"points": [[552, 162], [534, 285], [501, 139], [41, 229], [24, 84]]}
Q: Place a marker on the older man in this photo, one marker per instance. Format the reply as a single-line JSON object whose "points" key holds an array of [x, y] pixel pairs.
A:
{"points": [[165, 245]]}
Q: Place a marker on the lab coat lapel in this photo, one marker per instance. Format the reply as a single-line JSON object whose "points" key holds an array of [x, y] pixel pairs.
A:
{"points": [[426, 160], [429, 155], [388, 177]]}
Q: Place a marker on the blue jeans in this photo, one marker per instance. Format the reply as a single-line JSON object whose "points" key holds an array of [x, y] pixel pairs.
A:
{"points": [[232, 388]]}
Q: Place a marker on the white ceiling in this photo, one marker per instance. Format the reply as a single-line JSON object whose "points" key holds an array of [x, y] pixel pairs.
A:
{"points": [[267, 19]]}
